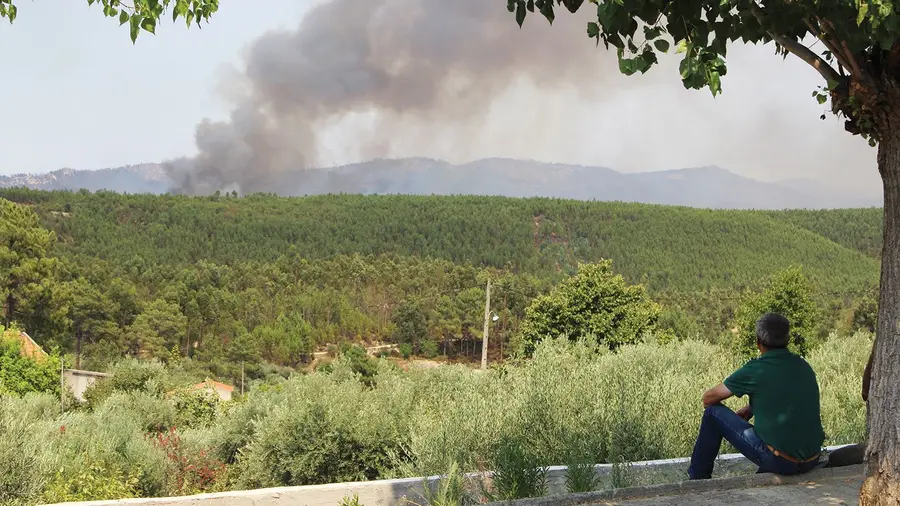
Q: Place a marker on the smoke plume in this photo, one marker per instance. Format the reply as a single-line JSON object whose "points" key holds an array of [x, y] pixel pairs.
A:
{"points": [[389, 64]]}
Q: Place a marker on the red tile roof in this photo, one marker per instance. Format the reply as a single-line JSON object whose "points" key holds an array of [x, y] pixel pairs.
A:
{"points": [[214, 384], [27, 346]]}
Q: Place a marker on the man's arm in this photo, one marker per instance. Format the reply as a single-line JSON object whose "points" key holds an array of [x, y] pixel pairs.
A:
{"points": [[867, 376], [716, 395]]}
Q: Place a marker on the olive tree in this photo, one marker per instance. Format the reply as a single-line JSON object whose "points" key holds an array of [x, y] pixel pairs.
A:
{"points": [[139, 14], [860, 69]]}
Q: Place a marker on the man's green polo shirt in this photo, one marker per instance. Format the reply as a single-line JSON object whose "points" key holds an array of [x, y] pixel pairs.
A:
{"points": [[784, 397]]}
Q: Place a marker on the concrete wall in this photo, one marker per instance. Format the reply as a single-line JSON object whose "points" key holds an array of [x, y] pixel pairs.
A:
{"points": [[79, 381], [401, 492]]}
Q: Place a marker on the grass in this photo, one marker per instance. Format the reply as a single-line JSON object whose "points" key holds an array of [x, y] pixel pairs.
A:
{"points": [[569, 404]]}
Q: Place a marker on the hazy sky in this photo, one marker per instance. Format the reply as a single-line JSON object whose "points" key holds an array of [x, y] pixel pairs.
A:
{"points": [[76, 93]]}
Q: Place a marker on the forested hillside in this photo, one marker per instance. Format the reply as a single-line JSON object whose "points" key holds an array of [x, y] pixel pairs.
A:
{"points": [[668, 248], [266, 281]]}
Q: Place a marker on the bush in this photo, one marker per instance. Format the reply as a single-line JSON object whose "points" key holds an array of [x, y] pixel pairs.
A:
{"points": [[596, 304], [517, 471], [839, 363], [91, 482], [21, 476], [865, 314], [789, 294], [194, 407], [450, 490], [128, 376], [325, 429], [429, 349], [642, 403], [406, 350], [190, 472], [20, 375]]}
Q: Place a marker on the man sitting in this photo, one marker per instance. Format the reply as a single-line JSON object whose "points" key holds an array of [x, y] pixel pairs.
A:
{"points": [[784, 399]]}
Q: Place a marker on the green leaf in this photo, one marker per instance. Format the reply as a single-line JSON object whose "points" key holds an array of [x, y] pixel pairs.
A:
{"points": [[627, 66], [661, 45], [715, 83], [11, 12], [123, 18], [149, 24], [520, 12], [189, 17], [547, 10], [593, 30], [863, 10], [821, 98], [135, 27], [652, 33]]}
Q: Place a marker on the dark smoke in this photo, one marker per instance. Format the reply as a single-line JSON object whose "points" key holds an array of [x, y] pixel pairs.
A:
{"points": [[426, 62]]}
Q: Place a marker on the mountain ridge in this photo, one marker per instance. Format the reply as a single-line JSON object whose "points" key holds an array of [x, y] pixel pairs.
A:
{"points": [[703, 187]]}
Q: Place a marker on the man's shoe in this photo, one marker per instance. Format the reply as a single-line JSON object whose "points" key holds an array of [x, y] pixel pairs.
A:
{"points": [[847, 456]]}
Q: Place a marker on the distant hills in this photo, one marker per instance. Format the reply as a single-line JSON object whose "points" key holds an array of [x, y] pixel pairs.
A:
{"points": [[704, 187]]}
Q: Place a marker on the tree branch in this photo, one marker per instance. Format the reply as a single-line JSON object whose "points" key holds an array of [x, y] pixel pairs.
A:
{"points": [[798, 49], [835, 51], [852, 63]]}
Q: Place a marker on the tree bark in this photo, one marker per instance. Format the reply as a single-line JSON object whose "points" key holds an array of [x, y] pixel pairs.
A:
{"points": [[10, 307], [882, 483]]}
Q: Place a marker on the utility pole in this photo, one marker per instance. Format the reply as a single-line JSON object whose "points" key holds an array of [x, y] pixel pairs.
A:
{"points": [[487, 324], [62, 384]]}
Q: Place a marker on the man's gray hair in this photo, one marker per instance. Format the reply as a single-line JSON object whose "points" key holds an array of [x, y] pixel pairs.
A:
{"points": [[773, 331]]}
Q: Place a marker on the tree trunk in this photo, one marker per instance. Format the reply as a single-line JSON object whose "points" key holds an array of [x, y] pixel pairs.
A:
{"points": [[10, 307], [882, 484], [78, 349]]}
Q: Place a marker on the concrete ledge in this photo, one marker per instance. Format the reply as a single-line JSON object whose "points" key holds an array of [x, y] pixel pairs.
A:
{"points": [[401, 491], [690, 487]]}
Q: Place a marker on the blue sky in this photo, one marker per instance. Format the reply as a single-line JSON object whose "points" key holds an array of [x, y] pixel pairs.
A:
{"points": [[76, 93]]}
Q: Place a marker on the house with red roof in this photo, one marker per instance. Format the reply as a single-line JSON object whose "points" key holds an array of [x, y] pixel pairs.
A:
{"points": [[221, 389]]}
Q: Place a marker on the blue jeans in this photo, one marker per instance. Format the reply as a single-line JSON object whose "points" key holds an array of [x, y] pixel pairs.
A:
{"points": [[720, 422]]}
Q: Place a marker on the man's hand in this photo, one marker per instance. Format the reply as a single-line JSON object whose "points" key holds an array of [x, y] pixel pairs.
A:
{"points": [[716, 395], [746, 413]]}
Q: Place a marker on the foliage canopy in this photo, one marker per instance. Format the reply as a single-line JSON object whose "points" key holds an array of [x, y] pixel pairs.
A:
{"points": [[859, 42], [140, 14], [595, 303]]}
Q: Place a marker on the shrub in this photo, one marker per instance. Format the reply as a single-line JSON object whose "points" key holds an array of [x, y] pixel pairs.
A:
{"points": [[790, 294], [573, 403], [190, 472], [300, 447], [429, 349], [360, 362], [517, 471], [450, 490], [327, 428], [128, 376], [91, 482], [406, 350], [20, 375], [350, 501], [21, 476], [194, 407], [594, 303], [865, 314], [839, 364], [112, 436]]}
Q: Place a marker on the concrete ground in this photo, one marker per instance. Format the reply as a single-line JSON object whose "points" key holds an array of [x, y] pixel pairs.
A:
{"points": [[837, 491], [826, 486]]}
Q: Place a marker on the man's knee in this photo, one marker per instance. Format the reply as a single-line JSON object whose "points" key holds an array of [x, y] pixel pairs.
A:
{"points": [[717, 410]]}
